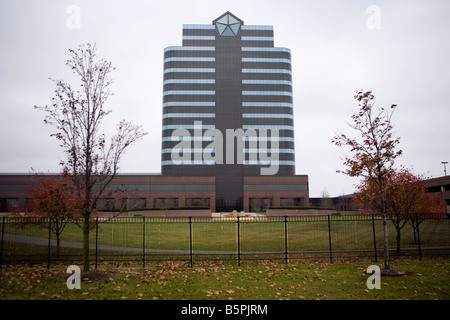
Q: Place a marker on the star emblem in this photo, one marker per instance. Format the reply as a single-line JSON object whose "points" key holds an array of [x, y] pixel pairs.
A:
{"points": [[228, 26]]}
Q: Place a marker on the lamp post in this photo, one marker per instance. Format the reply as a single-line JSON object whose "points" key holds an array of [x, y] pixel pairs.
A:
{"points": [[445, 168]]}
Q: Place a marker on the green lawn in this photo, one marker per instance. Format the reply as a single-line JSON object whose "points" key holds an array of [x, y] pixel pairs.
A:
{"points": [[260, 235], [264, 281]]}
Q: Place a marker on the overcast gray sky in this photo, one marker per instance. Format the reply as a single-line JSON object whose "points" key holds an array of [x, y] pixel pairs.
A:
{"points": [[398, 49]]}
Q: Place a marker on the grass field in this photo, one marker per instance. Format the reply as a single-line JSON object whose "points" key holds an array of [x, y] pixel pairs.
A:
{"points": [[302, 234], [429, 279], [219, 236]]}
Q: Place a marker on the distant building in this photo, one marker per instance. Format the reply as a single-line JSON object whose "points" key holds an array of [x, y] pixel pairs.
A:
{"points": [[439, 185]]}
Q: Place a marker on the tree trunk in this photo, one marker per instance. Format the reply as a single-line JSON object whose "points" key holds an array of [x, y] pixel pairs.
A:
{"points": [[398, 240], [58, 238], [385, 231], [386, 244], [86, 242], [58, 246]]}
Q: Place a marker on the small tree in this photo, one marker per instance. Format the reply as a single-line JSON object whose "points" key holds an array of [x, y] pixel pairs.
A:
{"points": [[374, 151], [91, 162], [406, 199], [54, 200], [326, 201]]}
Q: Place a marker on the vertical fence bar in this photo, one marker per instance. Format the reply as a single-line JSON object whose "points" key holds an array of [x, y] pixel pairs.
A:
{"points": [[285, 240], [96, 242], [374, 238], [143, 242], [49, 241], [1, 247], [418, 237], [238, 242], [190, 239], [329, 239]]}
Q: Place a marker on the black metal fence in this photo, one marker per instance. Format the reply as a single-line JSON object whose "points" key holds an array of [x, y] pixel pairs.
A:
{"points": [[143, 240]]}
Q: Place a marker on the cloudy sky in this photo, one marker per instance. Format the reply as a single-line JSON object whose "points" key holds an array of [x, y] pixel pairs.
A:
{"points": [[398, 49]]}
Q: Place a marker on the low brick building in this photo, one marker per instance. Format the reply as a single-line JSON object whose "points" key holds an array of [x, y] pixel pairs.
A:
{"points": [[139, 191]]}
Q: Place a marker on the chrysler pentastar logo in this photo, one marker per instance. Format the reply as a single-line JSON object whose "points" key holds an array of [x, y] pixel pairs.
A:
{"points": [[228, 26]]}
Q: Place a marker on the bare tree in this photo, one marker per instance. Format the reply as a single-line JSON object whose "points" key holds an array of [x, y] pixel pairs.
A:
{"points": [[326, 201], [374, 153], [91, 161]]}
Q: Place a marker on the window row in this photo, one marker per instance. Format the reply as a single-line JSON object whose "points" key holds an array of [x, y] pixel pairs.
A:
{"points": [[184, 70], [190, 81], [187, 162], [267, 93], [188, 138], [268, 49], [267, 115], [285, 71], [189, 104], [188, 150], [253, 81], [212, 27], [213, 104], [213, 92], [188, 126], [209, 48], [269, 60], [267, 104], [189, 115], [199, 38], [190, 59], [267, 127], [212, 162], [213, 59], [187, 48], [257, 38], [213, 70], [277, 150], [206, 138], [199, 26], [189, 92], [213, 150]]}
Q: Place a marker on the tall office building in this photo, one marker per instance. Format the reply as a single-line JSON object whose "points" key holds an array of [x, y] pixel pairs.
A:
{"points": [[227, 78]]}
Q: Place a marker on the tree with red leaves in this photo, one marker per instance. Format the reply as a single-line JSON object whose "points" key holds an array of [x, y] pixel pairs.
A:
{"points": [[54, 201], [406, 198]]}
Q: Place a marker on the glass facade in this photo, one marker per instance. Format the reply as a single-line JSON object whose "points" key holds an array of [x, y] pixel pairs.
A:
{"points": [[232, 78]]}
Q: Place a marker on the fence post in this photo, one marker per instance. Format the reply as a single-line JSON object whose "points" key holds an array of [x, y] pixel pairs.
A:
{"points": [[285, 240], [143, 242], [418, 237], [190, 239], [1, 247], [96, 242], [329, 239], [238, 242], [374, 238], [49, 240]]}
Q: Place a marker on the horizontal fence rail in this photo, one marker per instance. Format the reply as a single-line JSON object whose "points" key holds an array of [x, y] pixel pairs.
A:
{"points": [[145, 239]]}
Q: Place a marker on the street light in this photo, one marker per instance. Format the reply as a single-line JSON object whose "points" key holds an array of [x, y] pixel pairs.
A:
{"points": [[445, 168]]}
